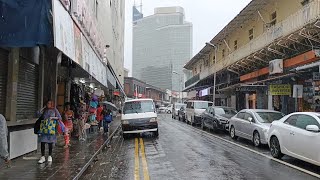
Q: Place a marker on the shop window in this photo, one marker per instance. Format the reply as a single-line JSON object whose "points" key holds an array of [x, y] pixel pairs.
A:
{"points": [[273, 18], [223, 53], [251, 34], [195, 71], [235, 45]]}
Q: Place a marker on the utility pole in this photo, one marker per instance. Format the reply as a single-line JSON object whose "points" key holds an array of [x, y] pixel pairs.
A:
{"points": [[215, 72]]}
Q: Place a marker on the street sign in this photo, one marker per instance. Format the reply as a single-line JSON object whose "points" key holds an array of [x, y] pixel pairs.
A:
{"points": [[280, 89], [297, 91]]}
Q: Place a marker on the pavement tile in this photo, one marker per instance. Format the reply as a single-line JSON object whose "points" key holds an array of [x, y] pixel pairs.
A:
{"points": [[66, 162]]}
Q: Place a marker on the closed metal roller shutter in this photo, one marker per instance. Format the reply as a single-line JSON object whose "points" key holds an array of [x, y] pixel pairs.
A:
{"points": [[4, 55], [28, 81]]}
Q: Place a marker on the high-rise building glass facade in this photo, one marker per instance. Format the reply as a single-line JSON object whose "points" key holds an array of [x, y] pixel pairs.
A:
{"points": [[162, 45]]}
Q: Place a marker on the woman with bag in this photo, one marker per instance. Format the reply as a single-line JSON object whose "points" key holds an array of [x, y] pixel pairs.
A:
{"points": [[48, 129]]}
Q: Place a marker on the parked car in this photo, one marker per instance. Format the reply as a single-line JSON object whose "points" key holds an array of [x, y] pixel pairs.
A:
{"points": [[253, 124], [296, 135], [138, 116], [217, 117], [176, 108], [169, 109], [194, 110], [182, 113], [162, 109]]}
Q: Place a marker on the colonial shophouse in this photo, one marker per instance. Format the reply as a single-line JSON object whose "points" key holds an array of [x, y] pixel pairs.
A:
{"points": [[266, 57], [59, 50]]}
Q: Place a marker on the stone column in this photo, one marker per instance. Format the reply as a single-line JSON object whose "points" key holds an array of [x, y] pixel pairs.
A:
{"points": [[41, 77], [261, 97], [247, 100], [12, 85], [270, 101]]}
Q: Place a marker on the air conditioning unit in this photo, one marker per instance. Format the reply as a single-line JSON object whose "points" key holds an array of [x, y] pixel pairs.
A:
{"points": [[276, 66]]}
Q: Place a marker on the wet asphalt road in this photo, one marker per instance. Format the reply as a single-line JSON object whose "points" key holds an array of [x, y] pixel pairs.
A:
{"points": [[185, 152]]}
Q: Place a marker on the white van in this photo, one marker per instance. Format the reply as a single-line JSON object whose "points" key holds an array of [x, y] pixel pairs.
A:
{"points": [[138, 116], [194, 110]]}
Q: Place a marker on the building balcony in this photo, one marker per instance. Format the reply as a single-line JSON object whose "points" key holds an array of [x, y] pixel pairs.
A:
{"points": [[192, 81], [308, 15]]}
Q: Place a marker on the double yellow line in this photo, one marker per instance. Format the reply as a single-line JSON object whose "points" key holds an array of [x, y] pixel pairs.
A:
{"points": [[137, 160]]}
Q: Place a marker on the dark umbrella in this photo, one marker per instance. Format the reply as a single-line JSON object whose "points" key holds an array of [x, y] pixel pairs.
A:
{"points": [[110, 106]]}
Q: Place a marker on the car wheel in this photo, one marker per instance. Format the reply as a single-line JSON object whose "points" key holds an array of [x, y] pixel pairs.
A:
{"points": [[202, 125], [156, 133], [233, 133], [275, 148], [214, 126], [256, 139]]}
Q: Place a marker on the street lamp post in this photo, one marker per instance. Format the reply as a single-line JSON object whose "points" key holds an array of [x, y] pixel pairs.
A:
{"points": [[215, 72], [180, 82]]}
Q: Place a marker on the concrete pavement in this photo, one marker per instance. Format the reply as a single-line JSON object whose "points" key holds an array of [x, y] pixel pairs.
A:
{"points": [[185, 152], [66, 162]]}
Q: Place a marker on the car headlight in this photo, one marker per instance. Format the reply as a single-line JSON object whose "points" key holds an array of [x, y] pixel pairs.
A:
{"points": [[153, 120], [125, 122], [197, 114]]}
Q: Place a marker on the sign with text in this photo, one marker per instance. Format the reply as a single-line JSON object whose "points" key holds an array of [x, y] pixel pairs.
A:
{"points": [[63, 30], [297, 91], [280, 89]]}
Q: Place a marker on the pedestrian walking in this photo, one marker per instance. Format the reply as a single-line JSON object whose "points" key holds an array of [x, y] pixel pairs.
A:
{"points": [[48, 129], [83, 115], [67, 120], [107, 118], [99, 116], [4, 154]]}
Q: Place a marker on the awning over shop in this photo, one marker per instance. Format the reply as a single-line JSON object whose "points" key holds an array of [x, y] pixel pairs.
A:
{"points": [[25, 23]]}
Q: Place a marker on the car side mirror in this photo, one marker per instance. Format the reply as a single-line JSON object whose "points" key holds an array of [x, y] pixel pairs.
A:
{"points": [[157, 106], [250, 119], [120, 111], [312, 128], [192, 107]]}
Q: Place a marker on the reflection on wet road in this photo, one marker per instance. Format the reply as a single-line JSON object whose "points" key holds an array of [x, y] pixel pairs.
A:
{"points": [[185, 152]]}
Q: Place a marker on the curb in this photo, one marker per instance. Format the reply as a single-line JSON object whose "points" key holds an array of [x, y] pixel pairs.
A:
{"points": [[85, 167]]}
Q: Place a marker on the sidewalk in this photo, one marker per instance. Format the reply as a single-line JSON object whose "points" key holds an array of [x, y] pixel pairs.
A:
{"points": [[66, 162]]}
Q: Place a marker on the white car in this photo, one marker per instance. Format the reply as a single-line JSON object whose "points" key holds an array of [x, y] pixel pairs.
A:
{"points": [[139, 116], [296, 135]]}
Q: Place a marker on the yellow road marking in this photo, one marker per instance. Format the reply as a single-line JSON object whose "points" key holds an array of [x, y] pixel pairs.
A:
{"points": [[144, 161], [136, 160]]}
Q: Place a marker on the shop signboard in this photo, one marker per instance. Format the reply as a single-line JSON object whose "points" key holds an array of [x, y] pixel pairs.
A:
{"points": [[316, 76], [280, 89], [63, 30], [78, 45]]}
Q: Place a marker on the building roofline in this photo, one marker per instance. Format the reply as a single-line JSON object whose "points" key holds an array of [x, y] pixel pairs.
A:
{"points": [[246, 12]]}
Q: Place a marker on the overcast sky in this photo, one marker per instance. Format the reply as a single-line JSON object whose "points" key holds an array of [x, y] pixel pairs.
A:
{"points": [[207, 16]]}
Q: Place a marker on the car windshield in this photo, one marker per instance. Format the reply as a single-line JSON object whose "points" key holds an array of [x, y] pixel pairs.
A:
{"points": [[138, 107], [269, 117], [202, 105], [178, 106], [231, 111], [219, 111]]}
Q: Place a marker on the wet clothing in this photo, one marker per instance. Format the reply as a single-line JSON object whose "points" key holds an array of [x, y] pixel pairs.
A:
{"points": [[4, 154], [50, 138], [68, 120], [43, 148], [99, 114]]}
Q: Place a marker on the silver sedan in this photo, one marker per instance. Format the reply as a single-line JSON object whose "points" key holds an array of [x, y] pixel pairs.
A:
{"points": [[253, 124]]}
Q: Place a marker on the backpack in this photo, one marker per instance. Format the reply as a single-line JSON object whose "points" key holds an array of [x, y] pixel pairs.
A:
{"points": [[107, 118]]}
